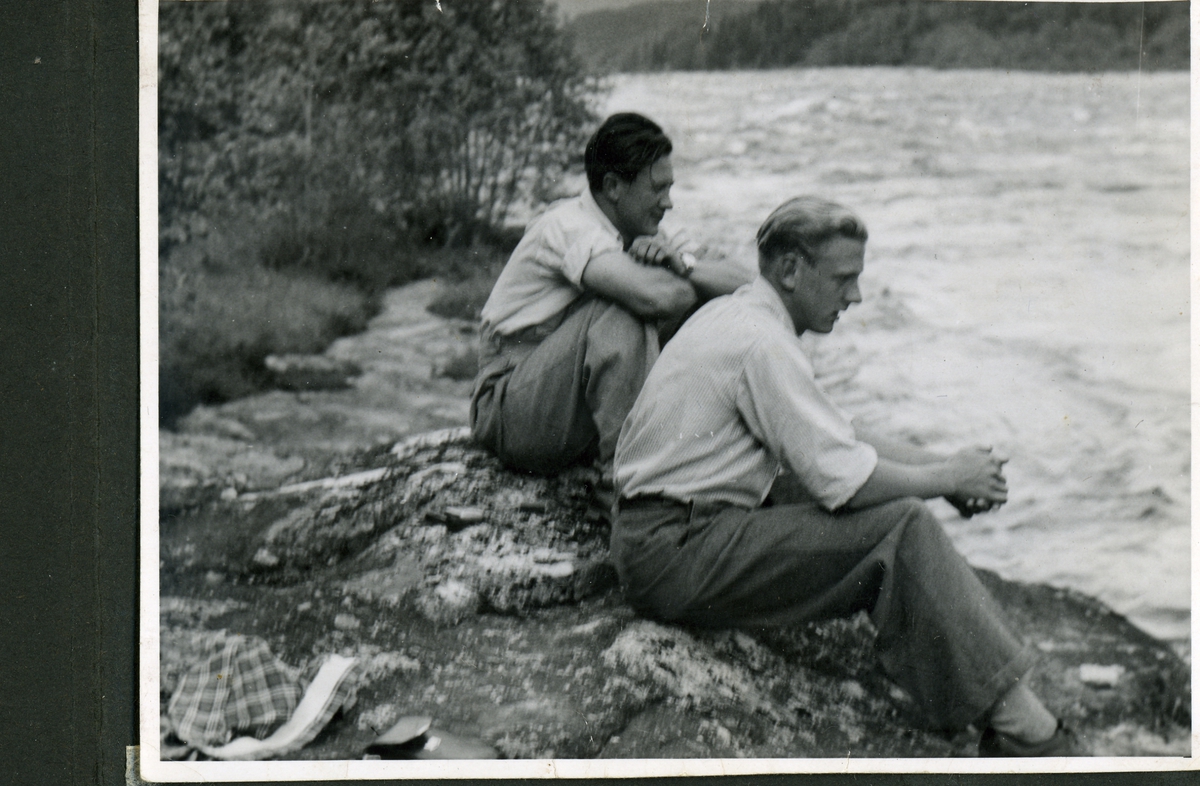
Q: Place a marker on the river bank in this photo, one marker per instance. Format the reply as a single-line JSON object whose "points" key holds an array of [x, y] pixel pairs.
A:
{"points": [[362, 568], [265, 439]]}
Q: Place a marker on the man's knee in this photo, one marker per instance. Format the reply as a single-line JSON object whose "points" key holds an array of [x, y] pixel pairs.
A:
{"points": [[905, 509], [913, 508], [915, 517], [614, 321], [619, 341], [921, 532]]}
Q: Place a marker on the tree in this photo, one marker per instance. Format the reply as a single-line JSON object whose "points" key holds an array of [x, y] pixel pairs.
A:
{"points": [[432, 121]]}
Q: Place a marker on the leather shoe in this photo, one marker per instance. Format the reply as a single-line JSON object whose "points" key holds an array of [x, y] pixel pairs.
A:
{"points": [[996, 744]]}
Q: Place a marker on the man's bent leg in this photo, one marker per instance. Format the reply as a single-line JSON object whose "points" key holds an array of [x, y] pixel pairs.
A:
{"points": [[940, 633], [568, 396], [621, 349]]}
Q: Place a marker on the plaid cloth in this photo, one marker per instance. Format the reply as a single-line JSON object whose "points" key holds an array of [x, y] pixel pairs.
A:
{"points": [[334, 688], [241, 688]]}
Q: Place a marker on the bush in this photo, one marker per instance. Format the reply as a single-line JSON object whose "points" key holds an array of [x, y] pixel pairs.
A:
{"points": [[958, 45], [313, 153], [218, 320], [423, 123], [221, 312], [464, 299]]}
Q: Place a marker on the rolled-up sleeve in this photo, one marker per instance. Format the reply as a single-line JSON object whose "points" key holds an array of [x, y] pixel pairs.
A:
{"points": [[798, 423]]}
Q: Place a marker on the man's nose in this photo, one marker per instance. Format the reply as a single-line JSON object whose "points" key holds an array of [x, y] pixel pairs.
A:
{"points": [[665, 202], [853, 294]]}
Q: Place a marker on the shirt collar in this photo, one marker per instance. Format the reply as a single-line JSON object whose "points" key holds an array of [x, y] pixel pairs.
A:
{"points": [[590, 206], [761, 292]]}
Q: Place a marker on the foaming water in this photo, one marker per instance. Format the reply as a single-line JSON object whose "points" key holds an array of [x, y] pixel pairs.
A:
{"points": [[1026, 287]]}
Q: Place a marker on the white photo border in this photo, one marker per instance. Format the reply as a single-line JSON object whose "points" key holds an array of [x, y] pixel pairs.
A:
{"points": [[155, 770]]}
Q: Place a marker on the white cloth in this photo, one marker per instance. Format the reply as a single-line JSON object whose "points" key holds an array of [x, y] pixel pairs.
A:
{"points": [[544, 275], [731, 398]]}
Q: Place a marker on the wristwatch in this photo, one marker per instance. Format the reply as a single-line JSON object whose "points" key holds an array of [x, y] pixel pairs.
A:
{"points": [[688, 261]]}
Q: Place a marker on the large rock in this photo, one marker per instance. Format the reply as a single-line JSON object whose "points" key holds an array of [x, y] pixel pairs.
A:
{"points": [[486, 600], [195, 468]]}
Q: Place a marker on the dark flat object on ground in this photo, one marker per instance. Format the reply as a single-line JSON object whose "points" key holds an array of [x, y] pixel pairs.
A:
{"points": [[997, 744], [414, 737]]}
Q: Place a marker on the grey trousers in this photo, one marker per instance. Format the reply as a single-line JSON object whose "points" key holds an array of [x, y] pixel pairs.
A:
{"points": [[940, 634], [543, 403]]}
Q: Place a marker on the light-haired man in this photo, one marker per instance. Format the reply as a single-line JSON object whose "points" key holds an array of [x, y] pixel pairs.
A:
{"points": [[731, 402], [570, 329]]}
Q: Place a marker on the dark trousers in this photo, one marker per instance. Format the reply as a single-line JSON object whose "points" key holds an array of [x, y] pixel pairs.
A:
{"points": [[543, 403], [940, 634]]}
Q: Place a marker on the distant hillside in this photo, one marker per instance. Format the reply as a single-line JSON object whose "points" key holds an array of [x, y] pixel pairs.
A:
{"points": [[624, 39], [569, 9], [670, 35]]}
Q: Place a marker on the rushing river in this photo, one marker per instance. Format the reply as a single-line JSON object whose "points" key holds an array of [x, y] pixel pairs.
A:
{"points": [[1026, 287]]}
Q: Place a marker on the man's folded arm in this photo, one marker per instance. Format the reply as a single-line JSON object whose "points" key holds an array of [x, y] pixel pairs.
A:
{"points": [[715, 277], [651, 293], [710, 277]]}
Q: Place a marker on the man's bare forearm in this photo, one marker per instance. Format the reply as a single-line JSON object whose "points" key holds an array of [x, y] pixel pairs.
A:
{"points": [[652, 293], [897, 450], [893, 480], [971, 474], [714, 277], [709, 277]]}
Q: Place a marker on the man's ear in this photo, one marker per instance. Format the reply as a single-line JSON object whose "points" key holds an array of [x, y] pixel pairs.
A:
{"points": [[613, 186], [787, 270]]}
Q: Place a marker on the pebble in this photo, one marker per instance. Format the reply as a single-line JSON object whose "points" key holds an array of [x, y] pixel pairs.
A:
{"points": [[346, 622], [265, 557], [465, 515], [449, 602], [557, 570], [1101, 676], [853, 689]]}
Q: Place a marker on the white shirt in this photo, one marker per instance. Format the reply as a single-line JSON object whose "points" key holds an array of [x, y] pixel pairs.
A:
{"points": [[731, 398], [544, 275]]}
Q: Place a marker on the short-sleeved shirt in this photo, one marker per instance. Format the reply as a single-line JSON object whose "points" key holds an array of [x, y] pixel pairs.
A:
{"points": [[730, 400], [544, 275]]}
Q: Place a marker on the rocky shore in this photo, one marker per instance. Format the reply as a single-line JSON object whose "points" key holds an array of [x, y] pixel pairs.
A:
{"points": [[485, 600]]}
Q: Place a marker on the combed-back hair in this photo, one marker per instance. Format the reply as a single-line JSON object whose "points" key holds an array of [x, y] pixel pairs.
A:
{"points": [[802, 224], [624, 144]]}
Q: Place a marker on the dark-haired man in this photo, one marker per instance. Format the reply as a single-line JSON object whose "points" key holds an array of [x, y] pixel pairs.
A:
{"points": [[571, 327], [731, 401]]}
